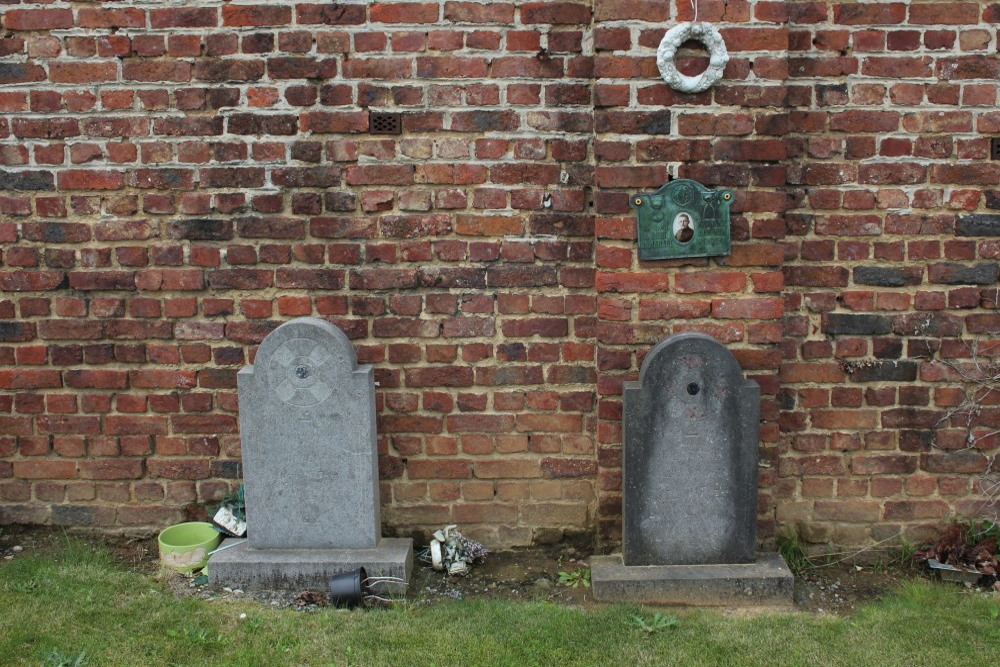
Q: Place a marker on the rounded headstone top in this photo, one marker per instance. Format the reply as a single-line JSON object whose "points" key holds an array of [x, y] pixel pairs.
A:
{"points": [[689, 343], [304, 361]]}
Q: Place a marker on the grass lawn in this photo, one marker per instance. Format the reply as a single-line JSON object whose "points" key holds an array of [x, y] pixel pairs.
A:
{"points": [[74, 605]]}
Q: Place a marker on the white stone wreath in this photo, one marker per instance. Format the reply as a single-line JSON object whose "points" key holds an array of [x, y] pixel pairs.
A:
{"points": [[718, 56]]}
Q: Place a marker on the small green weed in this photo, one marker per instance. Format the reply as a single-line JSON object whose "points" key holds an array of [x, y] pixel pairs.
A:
{"points": [[195, 635], [656, 622], [23, 585], [985, 530], [905, 552], [56, 658], [791, 549], [251, 623], [576, 578]]}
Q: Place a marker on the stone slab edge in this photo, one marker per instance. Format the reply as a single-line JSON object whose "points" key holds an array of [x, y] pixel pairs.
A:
{"points": [[767, 582], [307, 569]]}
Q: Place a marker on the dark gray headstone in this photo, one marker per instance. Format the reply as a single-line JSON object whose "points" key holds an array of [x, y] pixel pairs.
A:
{"points": [[690, 461], [307, 424]]}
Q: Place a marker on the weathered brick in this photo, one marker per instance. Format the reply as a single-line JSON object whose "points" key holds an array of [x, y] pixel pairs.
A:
{"points": [[255, 15], [558, 13], [38, 19], [27, 180], [980, 224], [949, 273], [851, 324], [884, 371], [888, 276]]}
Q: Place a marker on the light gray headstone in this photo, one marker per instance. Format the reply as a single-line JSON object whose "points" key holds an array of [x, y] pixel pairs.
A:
{"points": [[310, 459], [690, 461]]}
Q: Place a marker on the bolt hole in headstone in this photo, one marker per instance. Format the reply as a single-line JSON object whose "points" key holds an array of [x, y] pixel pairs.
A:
{"points": [[690, 465]]}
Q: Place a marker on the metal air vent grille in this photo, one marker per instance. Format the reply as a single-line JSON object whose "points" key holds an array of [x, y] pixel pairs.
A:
{"points": [[384, 122]]}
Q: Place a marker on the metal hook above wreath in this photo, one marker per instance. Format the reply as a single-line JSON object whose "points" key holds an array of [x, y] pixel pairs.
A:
{"points": [[705, 33]]}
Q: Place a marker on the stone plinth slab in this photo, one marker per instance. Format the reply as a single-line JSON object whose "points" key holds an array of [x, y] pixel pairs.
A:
{"points": [[308, 569], [766, 582]]}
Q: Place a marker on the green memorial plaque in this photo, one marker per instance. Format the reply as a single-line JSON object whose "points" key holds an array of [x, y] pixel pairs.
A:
{"points": [[683, 219]]}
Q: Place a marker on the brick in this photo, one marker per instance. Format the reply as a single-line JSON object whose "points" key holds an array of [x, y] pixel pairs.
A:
{"points": [[521, 276], [958, 462], [177, 468], [126, 425], [761, 308], [11, 73], [632, 282], [556, 13], [850, 324], [884, 465], [981, 224], [111, 469], [53, 128], [152, 71], [45, 469], [227, 70], [716, 282], [439, 377], [885, 371], [25, 378], [856, 511], [510, 468], [337, 14], [439, 469], [872, 14], [255, 15], [559, 468], [38, 19], [96, 379], [184, 17], [888, 276], [82, 179], [812, 372], [967, 67], [90, 72], [479, 14], [958, 274]]}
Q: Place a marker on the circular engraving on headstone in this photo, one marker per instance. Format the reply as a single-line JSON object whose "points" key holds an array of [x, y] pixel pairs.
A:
{"points": [[296, 375], [693, 388]]}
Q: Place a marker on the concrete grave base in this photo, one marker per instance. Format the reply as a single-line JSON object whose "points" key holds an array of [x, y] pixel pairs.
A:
{"points": [[767, 582], [308, 569]]}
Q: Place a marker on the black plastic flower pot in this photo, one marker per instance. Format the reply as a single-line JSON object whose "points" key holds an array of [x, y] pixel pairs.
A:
{"points": [[348, 589]]}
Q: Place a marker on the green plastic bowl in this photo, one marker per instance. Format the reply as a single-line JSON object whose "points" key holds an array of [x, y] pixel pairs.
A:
{"points": [[185, 547]]}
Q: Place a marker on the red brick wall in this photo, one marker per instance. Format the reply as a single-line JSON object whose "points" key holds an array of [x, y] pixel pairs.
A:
{"points": [[891, 266], [176, 181]]}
